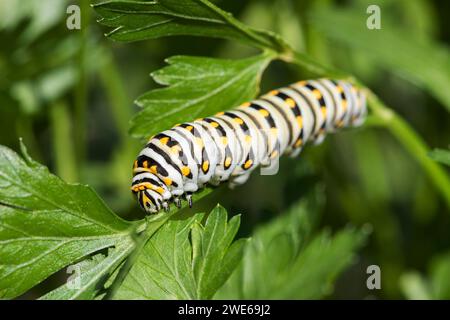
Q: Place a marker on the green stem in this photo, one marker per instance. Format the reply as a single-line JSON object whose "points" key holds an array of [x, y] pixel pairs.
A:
{"points": [[308, 64], [412, 142], [80, 127], [63, 151], [120, 106], [115, 89], [269, 41]]}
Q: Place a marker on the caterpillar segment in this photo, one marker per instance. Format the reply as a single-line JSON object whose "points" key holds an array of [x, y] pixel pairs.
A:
{"points": [[228, 146]]}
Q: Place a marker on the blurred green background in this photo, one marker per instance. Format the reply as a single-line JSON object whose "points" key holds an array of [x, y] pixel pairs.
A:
{"points": [[69, 94]]}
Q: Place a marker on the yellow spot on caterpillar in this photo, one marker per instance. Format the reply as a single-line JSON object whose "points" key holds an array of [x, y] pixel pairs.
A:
{"points": [[199, 119], [273, 92], [301, 83], [324, 111], [205, 166], [248, 139], [274, 154], [185, 171], [299, 121], [290, 102], [167, 181], [145, 164], [248, 164], [238, 120], [274, 131], [214, 124], [220, 113], [344, 105], [246, 104], [175, 149], [164, 140], [224, 141], [135, 164], [154, 169], [189, 128], [227, 162], [264, 112], [339, 89], [298, 143], [317, 93], [145, 199], [199, 142]]}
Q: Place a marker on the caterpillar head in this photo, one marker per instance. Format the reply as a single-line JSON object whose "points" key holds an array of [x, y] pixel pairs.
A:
{"points": [[149, 192]]}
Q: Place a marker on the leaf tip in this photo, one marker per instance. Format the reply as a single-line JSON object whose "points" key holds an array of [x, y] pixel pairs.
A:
{"points": [[24, 151]]}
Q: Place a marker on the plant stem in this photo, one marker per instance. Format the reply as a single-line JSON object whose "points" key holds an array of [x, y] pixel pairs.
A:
{"points": [[308, 64], [80, 127], [412, 142], [115, 89], [64, 154], [120, 106]]}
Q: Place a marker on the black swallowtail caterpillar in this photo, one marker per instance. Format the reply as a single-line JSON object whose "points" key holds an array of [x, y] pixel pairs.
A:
{"points": [[230, 145]]}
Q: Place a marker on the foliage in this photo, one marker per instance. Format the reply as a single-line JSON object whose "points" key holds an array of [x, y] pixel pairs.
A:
{"points": [[197, 87], [47, 224], [133, 20], [423, 63], [305, 266], [185, 259]]}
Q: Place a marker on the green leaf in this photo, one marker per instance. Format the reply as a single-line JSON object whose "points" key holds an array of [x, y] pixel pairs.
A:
{"points": [[185, 259], [146, 231], [47, 224], [315, 269], [440, 155], [197, 87], [91, 274], [424, 63], [134, 20], [281, 262]]}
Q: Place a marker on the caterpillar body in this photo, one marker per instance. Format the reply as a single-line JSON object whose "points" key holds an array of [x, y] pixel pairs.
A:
{"points": [[230, 145]]}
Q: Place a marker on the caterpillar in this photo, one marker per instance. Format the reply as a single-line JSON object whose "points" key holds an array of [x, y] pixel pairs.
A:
{"points": [[230, 145]]}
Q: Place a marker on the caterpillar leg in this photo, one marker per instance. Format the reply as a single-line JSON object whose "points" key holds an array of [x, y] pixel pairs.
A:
{"points": [[189, 199], [166, 206], [177, 202]]}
